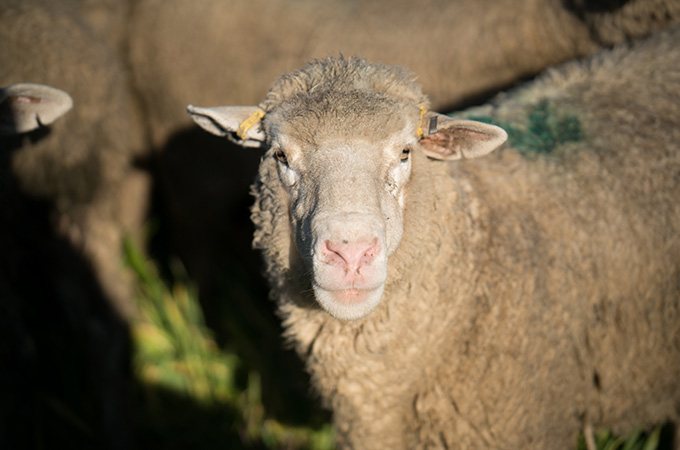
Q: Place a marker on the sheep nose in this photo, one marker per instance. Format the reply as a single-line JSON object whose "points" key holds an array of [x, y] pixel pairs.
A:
{"points": [[351, 255]]}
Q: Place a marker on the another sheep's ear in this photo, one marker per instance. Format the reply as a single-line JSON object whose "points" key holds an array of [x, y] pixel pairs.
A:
{"points": [[25, 107], [447, 138], [241, 124]]}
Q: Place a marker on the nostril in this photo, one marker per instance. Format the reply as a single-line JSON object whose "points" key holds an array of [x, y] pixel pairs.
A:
{"points": [[370, 252], [334, 253], [352, 255]]}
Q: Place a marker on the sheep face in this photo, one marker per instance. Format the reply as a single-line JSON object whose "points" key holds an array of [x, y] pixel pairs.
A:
{"points": [[346, 182], [343, 158]]}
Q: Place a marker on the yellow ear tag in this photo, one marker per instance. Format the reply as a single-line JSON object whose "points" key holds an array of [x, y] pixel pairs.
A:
{"points": [[423, 111], [248, 123]]}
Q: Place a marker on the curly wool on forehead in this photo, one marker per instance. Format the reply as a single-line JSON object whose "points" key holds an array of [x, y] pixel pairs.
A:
{"points": [[320, 78], [336, 95]]}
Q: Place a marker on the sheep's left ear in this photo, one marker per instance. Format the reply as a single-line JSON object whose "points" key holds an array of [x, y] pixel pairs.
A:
{"points": [[447, 138]]}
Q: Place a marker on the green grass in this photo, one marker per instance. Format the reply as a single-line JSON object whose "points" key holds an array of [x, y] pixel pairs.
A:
{"points": [[638, 440], [189, 389]]}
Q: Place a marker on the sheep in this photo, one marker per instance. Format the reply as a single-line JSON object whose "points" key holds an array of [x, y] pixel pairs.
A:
{"points": [[68, 191], [56, 322], [85, 165], [24, 107], [505, 302]]}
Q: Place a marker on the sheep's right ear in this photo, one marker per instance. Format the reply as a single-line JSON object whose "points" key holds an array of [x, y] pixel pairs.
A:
{"points": [[241, 124], [25, 107]]}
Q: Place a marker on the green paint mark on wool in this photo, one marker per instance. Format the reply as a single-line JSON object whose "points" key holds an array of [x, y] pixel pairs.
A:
{"points": [[544, 130]]}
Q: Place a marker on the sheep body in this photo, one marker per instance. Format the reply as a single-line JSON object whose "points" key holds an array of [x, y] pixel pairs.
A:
{"points": [[532, 294]]}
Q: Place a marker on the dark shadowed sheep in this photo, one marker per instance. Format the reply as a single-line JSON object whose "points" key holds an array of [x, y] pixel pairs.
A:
{"points": [[68, 190], [84, 164]]}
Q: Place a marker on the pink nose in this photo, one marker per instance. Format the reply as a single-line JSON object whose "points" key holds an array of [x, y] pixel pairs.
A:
{"points": [[351, 255]]}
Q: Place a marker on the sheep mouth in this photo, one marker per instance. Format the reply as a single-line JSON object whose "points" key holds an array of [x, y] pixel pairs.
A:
{"points": [[348, 304], [350, 296]]}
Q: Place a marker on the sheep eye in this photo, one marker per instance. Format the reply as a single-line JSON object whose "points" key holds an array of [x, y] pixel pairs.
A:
{"points": [[278, 154], [405, 154]]}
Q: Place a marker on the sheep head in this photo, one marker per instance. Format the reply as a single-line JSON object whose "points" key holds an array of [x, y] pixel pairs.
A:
{"points": [[344, 152]]}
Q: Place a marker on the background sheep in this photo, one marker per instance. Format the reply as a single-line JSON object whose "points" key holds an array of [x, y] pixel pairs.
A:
{"points": [[57, 325], [68, 190], [84, 165], [533, 292], [464, 48]]}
